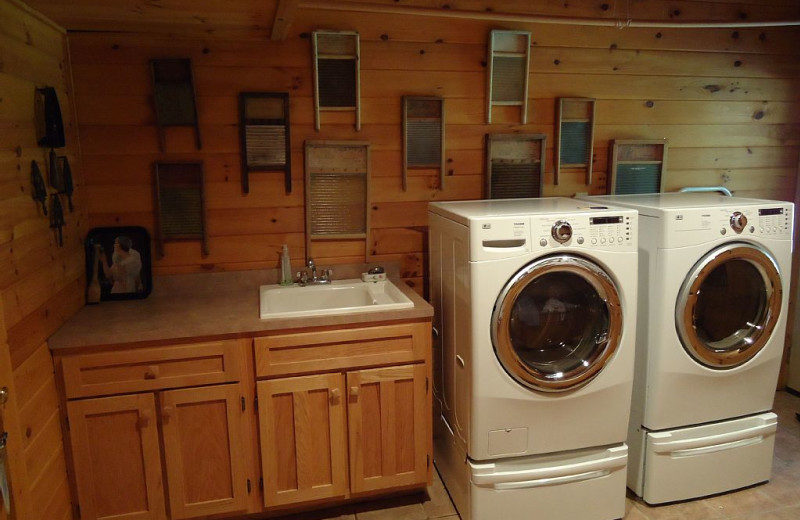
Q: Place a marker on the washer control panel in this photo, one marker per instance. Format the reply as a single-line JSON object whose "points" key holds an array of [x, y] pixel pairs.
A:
{"points": [[607, 231], [614, 229]]}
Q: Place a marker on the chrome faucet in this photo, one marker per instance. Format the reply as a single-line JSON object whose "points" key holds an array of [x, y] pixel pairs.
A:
{"points": [[303, 278], [313, 270]]}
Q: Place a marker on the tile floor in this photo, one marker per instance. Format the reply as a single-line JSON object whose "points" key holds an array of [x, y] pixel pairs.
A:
{"points": [[779, 499]]}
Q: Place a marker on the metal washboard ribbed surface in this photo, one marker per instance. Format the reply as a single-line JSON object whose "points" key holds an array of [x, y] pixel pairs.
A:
{"points": [[515, 163], [637, 165], [638, 178], [181, 207], [511, 181], [574, 143], [337, 176], [508, 78], [266, 145], [181, 204], [424, 143], [337, 203], [337, 83]]}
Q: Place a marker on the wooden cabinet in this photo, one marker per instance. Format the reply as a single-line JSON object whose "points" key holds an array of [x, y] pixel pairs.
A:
{"points": [[116, 457], [304, 449], [353, 430], [202, 434], [389, 425], [198, 435], [172, 432]]}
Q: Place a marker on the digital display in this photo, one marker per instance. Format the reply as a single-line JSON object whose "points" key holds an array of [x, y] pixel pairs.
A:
{"points": [[605, 220], [770, 211]]}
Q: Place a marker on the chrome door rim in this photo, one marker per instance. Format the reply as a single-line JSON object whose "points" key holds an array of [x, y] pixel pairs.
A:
{"points": [[501, 340], [728, 357]]}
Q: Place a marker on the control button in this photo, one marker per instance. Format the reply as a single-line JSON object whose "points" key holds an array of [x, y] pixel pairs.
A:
{"points": [[561, 231], [602, 240], [723, 231], [580, 240], [738, 221], [775, 229], [610, 240], [752, 229], [543, 242], [761, 230], [594, 241]]}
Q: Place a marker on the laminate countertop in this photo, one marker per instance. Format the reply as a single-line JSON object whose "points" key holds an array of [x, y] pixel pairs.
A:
{"points": [[209, 306]]}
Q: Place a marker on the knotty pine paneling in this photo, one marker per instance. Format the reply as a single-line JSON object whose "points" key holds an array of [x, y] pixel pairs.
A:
{"points": [[725, 98], [252, 19], [41, 284]]}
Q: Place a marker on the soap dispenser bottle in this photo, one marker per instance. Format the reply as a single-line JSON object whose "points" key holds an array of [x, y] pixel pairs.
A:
{"points": [[286, 266]]}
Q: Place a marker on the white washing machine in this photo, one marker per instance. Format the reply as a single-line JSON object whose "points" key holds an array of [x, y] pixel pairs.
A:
{"points": [[713, 292], [535, 308]]}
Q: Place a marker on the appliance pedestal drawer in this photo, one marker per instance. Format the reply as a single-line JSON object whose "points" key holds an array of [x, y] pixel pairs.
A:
{"points": [[704, 460]]}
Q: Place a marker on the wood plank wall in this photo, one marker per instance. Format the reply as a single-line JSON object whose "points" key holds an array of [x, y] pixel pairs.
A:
{"points": [[726, 99], [41, 284]]}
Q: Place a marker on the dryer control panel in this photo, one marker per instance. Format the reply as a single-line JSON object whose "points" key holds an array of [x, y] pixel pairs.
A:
{"points": [[690, 226], [774, 221]]}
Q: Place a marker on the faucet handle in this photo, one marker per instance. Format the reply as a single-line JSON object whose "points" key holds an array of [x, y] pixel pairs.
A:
{"points": [[328, 275], [310, 262]]}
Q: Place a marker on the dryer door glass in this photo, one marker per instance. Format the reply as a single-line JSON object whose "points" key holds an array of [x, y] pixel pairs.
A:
{"points": [[557, 323], [729, 305]]}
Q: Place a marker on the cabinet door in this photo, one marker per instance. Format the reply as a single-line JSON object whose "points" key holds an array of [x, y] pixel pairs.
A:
{"points": [[202, 433], [303, 445], [117, 457], [389, 423]]}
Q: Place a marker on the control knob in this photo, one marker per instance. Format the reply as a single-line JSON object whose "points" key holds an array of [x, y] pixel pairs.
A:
{"points": [[738, 221], [562, 231]]}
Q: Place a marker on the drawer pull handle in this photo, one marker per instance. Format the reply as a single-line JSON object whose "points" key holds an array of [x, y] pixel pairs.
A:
{"points": [[166, 411], [335, 395], [353, 391], [152, 372]]}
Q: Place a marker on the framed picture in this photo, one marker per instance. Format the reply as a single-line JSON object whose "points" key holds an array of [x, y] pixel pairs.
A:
{"points": [[118, 264]]}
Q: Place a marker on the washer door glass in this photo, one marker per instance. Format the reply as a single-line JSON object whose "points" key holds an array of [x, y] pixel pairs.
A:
{"points": [[728, 305], [557, 323]]}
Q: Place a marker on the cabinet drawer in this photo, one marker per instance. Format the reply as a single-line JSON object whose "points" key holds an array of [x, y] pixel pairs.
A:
{"points": [[287, 354], [154, 368]]}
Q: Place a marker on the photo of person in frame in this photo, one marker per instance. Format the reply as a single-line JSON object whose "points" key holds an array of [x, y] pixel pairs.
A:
{"points": [[118, 264], [124, 270]]}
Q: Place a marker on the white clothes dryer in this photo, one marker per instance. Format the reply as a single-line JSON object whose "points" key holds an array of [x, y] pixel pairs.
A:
{"points": [[713, 293], [535, 305]]}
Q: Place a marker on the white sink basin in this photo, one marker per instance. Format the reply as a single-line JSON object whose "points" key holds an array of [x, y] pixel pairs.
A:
{"points": [[338, 297]]}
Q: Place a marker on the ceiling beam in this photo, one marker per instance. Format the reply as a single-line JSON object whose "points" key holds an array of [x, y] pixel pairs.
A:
{"points": [[284, 16]]}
